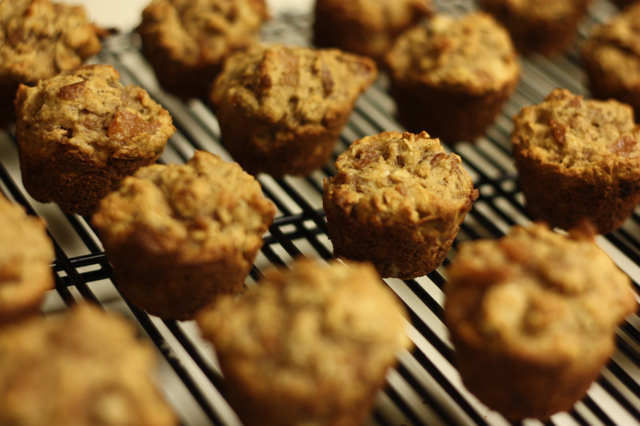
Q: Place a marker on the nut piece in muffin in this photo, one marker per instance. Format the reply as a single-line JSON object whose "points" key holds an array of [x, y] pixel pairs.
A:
{"points": [[397, 200], [81, 132], [307, 346], [187, 41], [281, 109], [450, 76], [541, 26], [39, 39], [84, 369], [578, 159], [26, 255], [611, 58], [532, 317], [365, 27], [180, 235]]}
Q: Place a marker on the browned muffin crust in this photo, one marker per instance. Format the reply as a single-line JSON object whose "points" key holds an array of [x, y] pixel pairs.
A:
{"points": [[85, 369], [450, 76], [81, 132], [307, 346], [187, 41], [365, 27], [532, 317], [281, 109], [26, 255], [611, 58], [397, 200], [180, 235], [39, 39], [542, 26], [578, 159]]}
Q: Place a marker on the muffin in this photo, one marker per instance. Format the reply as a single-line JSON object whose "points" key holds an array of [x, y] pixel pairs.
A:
{"points": [[81, 132], [532, 317], [451, 76], [281, 109], [84, 369], [26, 255], [577, 159], [38, 40], [611, 58], [187, 41], [180, 235], [308, 346], [365, 27], [397, 200], [540, 26]]}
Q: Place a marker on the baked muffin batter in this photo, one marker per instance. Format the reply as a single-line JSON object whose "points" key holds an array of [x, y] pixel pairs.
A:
{"points": [[281, 109], [307, 346], [179, 235], [578, 159], [397, 200], [81, 132], [532, 317]]}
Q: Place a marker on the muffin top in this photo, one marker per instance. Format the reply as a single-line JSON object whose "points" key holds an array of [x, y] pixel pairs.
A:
{"points": [[396, 178], [293, 86], [383, 15], [537, 294], [86, 368], [538, 9], [329, 330], [472, 54], [579, 135], [196, 210], [89, 110], [39, 39], [615, 46], [201, 32], [25, 262]]}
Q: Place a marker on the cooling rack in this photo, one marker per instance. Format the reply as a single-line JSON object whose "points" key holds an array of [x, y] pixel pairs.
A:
{"points": [[425, 388]]}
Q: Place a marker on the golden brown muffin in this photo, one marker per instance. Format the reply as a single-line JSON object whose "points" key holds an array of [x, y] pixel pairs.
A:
{"points": [[281, 109], [84, 369], [542, 26], [180, 235], [532, 317], [187, 41], [397, 200], [26, 255], [611, 58], [39, 39], [450, 76], [308, 346], [578, 159], [81, 132], [365, 27]]}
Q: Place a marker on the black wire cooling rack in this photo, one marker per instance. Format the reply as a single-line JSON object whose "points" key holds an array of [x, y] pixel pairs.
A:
{"points": [[425, 388]]}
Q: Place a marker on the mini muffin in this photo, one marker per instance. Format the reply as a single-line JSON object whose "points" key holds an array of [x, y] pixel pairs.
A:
{"points": [[26, 255], [578, 159], [397, 200], [365, 27], [532, 317], [84, 369], [281, 109], [187, 41], [611, 58], [451, 76], [309, 346], [81, 132], [39, 39], [179, 235], [541, 26]]}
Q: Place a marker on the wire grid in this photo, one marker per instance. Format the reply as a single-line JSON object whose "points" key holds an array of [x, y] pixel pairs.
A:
{"points": [[425, 388]]}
